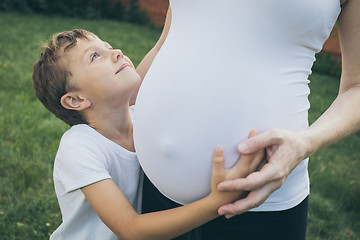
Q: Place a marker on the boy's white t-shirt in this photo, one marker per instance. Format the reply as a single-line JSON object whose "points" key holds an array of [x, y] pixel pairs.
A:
{"points": [[85, 157]]}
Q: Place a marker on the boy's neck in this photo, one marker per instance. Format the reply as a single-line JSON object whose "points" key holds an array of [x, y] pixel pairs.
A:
{"points": [[116, 126]]}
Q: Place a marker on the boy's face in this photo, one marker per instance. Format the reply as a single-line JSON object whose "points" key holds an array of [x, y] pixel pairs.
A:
{"points": [[100, 73]]}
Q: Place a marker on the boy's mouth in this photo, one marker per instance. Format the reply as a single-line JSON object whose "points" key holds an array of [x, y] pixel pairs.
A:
{"points": [[122, 67]]}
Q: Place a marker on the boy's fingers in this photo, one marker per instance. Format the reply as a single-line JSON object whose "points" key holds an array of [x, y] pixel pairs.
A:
{"points": [[258, 158], [218, 169], [253, 159], [241, 166], [253, 133]]}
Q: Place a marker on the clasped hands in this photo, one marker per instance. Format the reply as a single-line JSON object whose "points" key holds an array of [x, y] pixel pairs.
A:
{"points": [[284, 151]]}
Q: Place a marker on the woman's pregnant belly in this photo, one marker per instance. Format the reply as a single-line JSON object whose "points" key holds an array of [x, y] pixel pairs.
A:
{"points": [[186, 107]]}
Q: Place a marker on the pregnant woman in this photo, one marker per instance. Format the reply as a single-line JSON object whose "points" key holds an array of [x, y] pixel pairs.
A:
{"points": [[227, 67]]}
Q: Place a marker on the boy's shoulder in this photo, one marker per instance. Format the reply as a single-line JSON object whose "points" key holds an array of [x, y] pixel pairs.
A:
{"points": [[82, 132], [81, 159], [78, 131], [81, 137]]}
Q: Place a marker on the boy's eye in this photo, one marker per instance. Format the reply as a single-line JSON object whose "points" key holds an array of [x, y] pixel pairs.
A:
{"points": [[94, 56]]}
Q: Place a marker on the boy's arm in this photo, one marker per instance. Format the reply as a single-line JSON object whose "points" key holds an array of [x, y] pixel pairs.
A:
{"points": [[145, 64], [116, 212]]}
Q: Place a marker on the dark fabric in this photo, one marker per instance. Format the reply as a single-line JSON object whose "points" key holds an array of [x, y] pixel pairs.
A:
{"points": [[154, 201], [281, 225]]}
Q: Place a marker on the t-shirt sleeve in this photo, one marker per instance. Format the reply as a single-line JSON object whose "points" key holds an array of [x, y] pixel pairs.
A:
{"points": [[80, 161]]}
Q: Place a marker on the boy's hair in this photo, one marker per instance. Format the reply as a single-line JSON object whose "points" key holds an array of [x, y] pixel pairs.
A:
{"points": [[51, 77]]}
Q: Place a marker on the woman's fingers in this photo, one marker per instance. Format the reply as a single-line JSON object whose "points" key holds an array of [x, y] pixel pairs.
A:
{"points": [[253, 200], [253, 181], [261, 141]]}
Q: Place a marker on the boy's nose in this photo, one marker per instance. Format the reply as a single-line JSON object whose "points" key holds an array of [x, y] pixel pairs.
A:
{"points": [[117, 55]]}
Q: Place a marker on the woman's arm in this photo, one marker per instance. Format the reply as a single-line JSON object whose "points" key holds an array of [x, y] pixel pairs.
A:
{"points": [[342, 119], [286, 149], [145, 64], [116, 212]]}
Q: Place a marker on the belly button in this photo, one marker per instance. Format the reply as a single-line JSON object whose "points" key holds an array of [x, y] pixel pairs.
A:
{"points": [[167, 149]]}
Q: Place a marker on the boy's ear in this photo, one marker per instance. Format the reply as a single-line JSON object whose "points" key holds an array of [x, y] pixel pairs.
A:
{"points": [[73, 101]]}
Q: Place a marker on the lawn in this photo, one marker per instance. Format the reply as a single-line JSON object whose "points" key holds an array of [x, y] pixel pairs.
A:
{"points": [[30, 135]]}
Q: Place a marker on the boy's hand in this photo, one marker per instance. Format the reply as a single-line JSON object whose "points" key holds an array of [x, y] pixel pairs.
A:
{"points": [[245, 165]]}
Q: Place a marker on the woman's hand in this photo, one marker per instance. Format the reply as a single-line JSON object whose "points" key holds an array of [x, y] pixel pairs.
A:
{"points": [[247, 164], [284, 150]]}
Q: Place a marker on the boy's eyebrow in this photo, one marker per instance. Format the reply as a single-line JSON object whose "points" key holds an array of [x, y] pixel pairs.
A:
{"points": [[83, 54], [86, 50], [91, 47], [107, 45]]}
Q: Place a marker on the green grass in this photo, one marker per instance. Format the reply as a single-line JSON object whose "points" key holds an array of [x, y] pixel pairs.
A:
{"points": [[335, 181], [30, 135]]}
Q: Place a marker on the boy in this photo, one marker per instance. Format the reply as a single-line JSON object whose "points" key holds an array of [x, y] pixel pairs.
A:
{"points": [[90, 85]]}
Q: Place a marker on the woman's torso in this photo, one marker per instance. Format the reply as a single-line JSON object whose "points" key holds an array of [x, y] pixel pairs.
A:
{"points": [[225, 68]]}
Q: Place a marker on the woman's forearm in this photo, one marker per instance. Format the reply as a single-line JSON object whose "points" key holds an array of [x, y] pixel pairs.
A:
{"points": [[146, 62], [339, 121], [343, 117]]}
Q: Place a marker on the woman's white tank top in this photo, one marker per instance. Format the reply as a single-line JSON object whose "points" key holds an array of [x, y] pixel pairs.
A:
{"points": [[225, 68]]}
